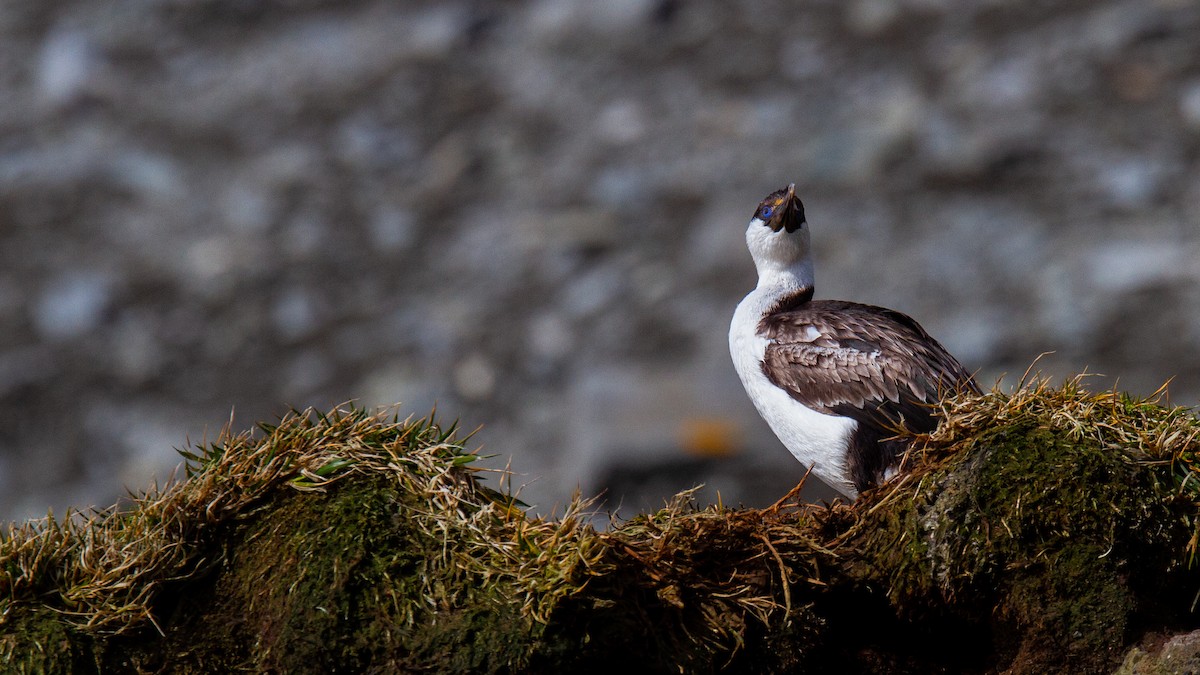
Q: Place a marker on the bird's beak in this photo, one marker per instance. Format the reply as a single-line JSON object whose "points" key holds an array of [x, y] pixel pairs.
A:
{"points": [[791, 216]]}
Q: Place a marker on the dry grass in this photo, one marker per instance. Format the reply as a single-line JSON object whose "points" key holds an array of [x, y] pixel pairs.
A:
{"points": [[719, 570], [1147, 431], [103, 571]]}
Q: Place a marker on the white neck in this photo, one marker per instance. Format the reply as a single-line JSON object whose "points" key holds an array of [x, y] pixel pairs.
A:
{"points": [[782, 259], [775, 282], [776, 279]]}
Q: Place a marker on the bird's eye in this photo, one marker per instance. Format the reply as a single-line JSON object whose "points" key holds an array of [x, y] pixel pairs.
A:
{"points": [[765, 212]]}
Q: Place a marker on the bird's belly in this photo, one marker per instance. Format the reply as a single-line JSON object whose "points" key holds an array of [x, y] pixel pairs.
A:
{"points": [[814, 438]]}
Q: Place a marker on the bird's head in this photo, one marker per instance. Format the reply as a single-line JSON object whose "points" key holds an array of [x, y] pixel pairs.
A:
{"points": [[778, 235]]}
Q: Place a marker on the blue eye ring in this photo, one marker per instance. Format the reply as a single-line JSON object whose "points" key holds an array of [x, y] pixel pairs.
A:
{"points": [[766, 212]]}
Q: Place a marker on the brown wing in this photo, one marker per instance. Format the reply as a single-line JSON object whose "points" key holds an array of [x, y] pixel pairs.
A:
{"points": [[872, 364]]}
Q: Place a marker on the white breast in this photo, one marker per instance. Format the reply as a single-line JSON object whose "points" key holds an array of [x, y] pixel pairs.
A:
{"points": [[814, 438]]}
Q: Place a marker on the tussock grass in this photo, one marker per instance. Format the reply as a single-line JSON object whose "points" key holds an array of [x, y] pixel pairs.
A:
{"points": [[1143, 430], [102, 571], [1042, 502]]}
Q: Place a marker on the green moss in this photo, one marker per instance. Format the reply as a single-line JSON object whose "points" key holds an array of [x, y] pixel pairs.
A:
{"points": [[1034, 491], [39, 642], [335, 583], [1070, 613], [1052, 526], [1036, 532], [1034, 543], [1029, 541]]}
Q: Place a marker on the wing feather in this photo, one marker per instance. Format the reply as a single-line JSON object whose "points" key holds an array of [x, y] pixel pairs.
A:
{"points": [[872, 364]]}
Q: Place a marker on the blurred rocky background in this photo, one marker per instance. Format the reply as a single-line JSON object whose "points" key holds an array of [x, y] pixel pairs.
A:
{"points": [[531, 213]]}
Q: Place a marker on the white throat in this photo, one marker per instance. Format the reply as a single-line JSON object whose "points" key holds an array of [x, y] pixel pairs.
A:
{"points": [[782, 259]]}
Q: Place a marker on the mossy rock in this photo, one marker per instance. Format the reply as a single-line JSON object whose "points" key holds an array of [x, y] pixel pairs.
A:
{"points": [[328, 583], [1050, 530], [1054, 550], [41, 642]]}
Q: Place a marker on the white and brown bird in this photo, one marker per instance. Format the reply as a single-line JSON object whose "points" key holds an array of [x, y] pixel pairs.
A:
{"points": [[833, 379]]}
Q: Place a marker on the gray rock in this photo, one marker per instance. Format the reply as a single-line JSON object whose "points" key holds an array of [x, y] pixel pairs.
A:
{"points": [[72, 304], [502, 207]]}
